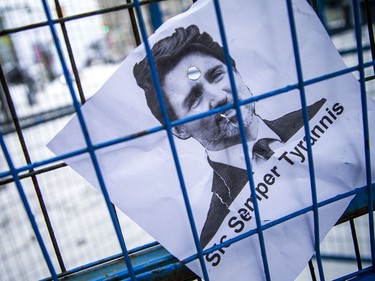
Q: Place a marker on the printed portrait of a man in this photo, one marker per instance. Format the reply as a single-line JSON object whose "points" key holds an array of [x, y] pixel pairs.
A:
{"points": [[194, 79]]}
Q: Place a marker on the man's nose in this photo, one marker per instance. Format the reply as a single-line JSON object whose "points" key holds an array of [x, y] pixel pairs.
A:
{"points": [[217, 97]]}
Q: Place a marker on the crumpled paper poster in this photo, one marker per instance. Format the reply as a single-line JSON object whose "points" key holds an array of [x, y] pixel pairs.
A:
{"points": [[140, 174]]}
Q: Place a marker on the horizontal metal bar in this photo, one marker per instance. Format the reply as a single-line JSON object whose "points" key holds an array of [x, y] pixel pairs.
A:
{"points": [[37, 119], [150, 259], [45, 116], [357, 207], [348, 51], [189, 119], [103, 261], [367, 274], [271, 224], [32, 173], [156, 263], [9, 31], [345, 258]]}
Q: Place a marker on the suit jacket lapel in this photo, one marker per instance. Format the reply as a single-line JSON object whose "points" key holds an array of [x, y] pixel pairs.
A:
{"points": [[288, 125], [228, 181]]}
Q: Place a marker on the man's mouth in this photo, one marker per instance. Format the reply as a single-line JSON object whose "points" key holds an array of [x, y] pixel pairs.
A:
{"points": [[229, 116]]}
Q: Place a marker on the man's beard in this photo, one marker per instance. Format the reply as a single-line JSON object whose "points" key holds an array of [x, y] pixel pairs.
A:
{"points": [[229, 130]]}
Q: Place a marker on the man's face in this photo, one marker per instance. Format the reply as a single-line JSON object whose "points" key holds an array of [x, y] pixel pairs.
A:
{"points": [[211, 89]]}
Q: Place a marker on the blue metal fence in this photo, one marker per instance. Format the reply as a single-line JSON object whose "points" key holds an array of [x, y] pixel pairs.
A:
{"points": [[151, 261]]}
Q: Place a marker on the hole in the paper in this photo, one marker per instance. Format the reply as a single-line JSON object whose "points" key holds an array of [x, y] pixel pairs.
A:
{"points": [[193, 73]]}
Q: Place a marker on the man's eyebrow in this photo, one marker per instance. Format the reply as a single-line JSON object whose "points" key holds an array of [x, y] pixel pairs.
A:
{"points": [[210, 74]]}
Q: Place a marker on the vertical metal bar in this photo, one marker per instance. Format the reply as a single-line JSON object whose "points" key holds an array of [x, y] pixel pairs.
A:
{"points": [[321, 11], [358, 34], [27, 157], [4, 108], [355, 244], [133, 21], [167, 123], [70, 52], [90, 146], [27, 208], [314, 5], [73, 63], [370, 30], [301, 87], [312, 270], [156, 15], [243, 138]]}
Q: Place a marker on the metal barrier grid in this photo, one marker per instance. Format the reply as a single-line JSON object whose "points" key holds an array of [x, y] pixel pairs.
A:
{"points": [[16, 173]]}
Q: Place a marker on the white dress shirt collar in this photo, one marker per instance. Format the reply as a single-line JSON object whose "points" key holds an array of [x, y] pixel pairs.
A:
{"points": [[234, 155]]}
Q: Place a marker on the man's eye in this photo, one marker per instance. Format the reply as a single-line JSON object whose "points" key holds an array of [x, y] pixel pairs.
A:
{"points": [[194, 102], [217, 76]]}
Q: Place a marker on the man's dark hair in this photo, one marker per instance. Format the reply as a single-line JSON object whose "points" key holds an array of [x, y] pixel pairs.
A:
{"points": [[167, 53]]}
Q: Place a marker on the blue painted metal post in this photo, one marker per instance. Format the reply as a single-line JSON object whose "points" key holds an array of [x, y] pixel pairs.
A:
{"points": [[22, 194], [156, 15], [301, 86], [321, 6], [358, 33], [243, 138], [155, 79], [90, 146]]}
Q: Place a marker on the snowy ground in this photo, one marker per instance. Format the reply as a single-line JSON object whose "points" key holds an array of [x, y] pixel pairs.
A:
{"points": [[81, 222]]}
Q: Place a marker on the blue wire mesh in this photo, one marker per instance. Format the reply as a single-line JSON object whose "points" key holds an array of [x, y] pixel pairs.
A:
{"points": [[15, 171]]}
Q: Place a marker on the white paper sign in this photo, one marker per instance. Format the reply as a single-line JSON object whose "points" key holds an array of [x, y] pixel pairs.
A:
{"points": [[140, 174]]}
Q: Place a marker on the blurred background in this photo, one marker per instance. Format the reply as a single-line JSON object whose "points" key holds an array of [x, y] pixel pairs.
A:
{"points": [[35, 103]]}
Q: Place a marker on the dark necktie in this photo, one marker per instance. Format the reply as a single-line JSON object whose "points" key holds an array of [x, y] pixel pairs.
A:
{"points": [[262, 149]]}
